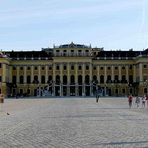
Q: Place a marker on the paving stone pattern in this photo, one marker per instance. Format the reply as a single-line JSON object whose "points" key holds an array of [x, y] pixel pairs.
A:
{"points": [[73, 123]]}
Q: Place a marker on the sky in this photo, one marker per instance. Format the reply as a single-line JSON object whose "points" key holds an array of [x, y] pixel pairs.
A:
{"points": [[35, 24]]}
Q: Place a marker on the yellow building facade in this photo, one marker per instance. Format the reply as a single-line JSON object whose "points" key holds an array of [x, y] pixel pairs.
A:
{"points": [[73, 70]]}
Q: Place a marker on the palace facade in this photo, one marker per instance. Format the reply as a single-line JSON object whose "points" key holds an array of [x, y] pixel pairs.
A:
{"points": [[73, 70]]}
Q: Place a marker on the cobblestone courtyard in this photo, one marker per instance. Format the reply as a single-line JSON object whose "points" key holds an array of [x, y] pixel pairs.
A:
{"points": [[72, 123]]}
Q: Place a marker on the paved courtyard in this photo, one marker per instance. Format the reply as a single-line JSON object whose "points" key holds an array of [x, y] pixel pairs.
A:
{"points": [[72, 123]]}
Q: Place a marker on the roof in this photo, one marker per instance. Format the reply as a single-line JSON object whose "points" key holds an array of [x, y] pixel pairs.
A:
{"points": [[72, 45]]}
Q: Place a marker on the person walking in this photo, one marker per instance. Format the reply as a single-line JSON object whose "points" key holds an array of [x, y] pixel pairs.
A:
{"points": [[97, 95], [143, 101], [130, 99], [137, 101]]}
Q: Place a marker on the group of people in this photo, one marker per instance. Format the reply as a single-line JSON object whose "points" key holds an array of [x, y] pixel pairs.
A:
{"points": [[143, 100]]}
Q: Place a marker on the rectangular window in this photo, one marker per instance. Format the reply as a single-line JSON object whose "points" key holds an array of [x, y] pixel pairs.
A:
{"points": [[14, 68], [50, 67], [72, 67], [65, 67], [144, 66], [130, 67], [144, 78], [101, 68], [116, 77], [80, 67], [0, 65], [87, 67], [94, 67], [123, 91], [0, 78], [28, 68], [57, 67]]}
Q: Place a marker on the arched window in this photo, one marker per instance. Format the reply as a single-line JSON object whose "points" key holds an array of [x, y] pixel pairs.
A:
{"points": [[21, 79], [64, 79], [49, 79], [35, 79], [116, 78], [80, 67], [101, 79], [28, 79], [43, 79], [79, 79], [95, 78], [57, 79], [72, 79], [14, 79], [87, 67], [87, 79], [123, 78], [108, 79], [72, 67]]}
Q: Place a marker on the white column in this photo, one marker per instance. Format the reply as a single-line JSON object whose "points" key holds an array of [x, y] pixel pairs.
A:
{"points": [[83, 79], [91, 92], [105, 78], [68, 79], [76, 73], [61, 73], [98, 74], [39, 73], [17, 74], [4, 72], [134, 73], [32, 78], [46, 74], [119, 72], [25, 76], [127, 74], [10, 72], [53, 85], [105, 75], [76, 79], [140, 72], [61, 79], [112, 73]]}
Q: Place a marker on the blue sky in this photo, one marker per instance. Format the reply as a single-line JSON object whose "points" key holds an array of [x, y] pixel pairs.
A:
{"points": [[112, 24]]}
